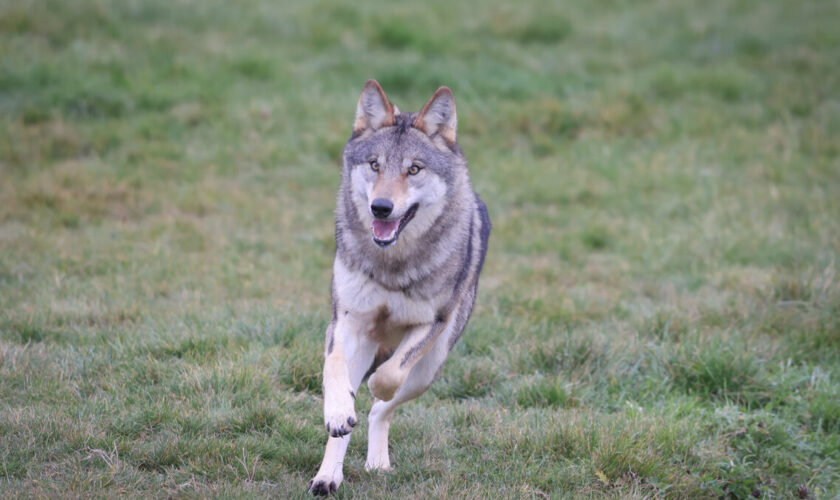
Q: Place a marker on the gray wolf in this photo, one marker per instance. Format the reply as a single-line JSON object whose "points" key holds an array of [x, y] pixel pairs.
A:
{"points": [[411, 236]]}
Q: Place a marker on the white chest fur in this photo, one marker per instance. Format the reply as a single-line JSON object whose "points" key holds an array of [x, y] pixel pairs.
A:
{"points": [[361, 296]]}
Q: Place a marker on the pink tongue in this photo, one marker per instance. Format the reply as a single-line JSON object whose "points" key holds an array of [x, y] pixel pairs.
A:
{"points": [[384, 230]]}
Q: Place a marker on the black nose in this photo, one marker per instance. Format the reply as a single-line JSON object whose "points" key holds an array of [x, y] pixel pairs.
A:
{"points": [[381, 208]]}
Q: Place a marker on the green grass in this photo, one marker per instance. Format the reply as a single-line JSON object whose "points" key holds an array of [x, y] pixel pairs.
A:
{"points": [[659, 314]]}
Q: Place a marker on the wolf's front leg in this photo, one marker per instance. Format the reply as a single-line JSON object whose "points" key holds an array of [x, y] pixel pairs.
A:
{"points": [[407, 375], [339, 394], [349, 354], [379, 421]]}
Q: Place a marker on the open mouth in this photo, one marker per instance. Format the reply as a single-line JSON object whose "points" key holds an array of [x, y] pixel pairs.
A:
{"points": [[386, 232]]}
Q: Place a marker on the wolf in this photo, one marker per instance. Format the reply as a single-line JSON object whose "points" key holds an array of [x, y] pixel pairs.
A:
{"points": [[411, 237]]}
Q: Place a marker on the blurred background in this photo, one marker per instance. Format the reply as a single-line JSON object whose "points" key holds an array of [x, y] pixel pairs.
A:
{"points": [[658, 314]]}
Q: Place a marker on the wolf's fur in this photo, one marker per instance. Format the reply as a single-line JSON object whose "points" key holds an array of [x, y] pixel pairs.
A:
{"points": [[400, 305]]}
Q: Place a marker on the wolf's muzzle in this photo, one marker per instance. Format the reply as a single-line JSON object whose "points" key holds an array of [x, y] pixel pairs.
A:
{"points": [[381, 208]]}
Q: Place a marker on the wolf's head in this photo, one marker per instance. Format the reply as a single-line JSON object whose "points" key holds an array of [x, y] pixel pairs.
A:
{"points": [[400, 167]]}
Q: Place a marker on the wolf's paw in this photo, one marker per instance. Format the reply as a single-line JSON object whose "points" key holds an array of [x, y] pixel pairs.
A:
{"points": [[324, 484], [339, 416], [340, 424]]}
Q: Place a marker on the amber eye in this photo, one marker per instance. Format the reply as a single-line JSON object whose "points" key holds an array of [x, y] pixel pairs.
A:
{"points": [[374, 165], [414, 169]]}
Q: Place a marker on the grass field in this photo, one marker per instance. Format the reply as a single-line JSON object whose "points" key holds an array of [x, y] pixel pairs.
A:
{"points": [[659, 314]]}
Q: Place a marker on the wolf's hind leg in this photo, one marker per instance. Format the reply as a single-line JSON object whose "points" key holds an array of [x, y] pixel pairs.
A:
{"points": [[418, 380], [344, 367]]}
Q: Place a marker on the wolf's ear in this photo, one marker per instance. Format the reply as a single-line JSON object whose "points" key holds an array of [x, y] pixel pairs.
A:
{"points": [[374, 111], [438, 115]]}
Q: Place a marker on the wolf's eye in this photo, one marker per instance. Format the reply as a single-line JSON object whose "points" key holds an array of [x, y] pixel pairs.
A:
{"points": [[374, 165], [414, 169]]}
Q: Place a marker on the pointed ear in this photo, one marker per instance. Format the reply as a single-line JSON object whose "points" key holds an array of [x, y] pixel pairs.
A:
{"points": [[374, 111], [438, 115]]}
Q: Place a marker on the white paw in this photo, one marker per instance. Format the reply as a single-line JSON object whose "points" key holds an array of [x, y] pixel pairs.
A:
{"points": [[339, 415], [325, 484]]}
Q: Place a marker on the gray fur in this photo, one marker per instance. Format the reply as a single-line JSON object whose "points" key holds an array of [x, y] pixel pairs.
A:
{"points": [[413, 271], [427, 270], [451, 253]]}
